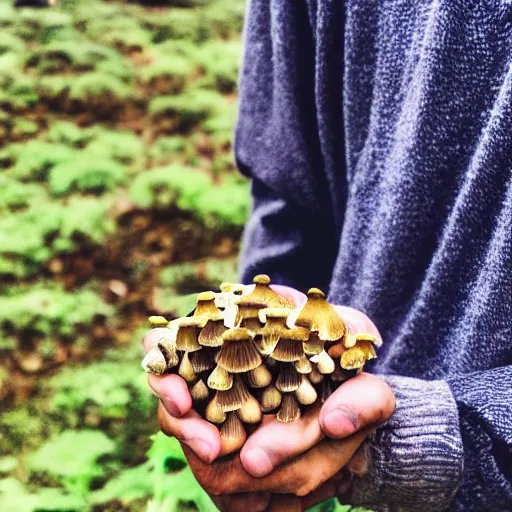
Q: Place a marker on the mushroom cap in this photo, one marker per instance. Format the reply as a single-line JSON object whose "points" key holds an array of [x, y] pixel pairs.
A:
{"points": [[271, 398], [289, 379], [320, 316], [158, 321], [261, 279], [186, 337], [238, 356], [260, 377], [324, 363], [211, 333], [237, 334], [306, 393], [234, 288], [366, 336], [206, 296], [233, 398], [154, 362], [204, 359], [304, 366], [214, 413], [168, 349], [356, 357], [220, 379], [265, 313], [199, 391], [250, 412], [186, 369]]}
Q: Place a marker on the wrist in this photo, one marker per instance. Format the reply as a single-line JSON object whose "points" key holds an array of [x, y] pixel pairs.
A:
{"points": [[415, 459]]}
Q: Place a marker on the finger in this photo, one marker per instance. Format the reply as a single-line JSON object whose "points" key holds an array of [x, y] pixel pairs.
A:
{"points": [[246, 502], [285, 503], [358, 321], [154, 336], [298, 298], [261, 453], [202, 437], [173, 393], [363, 401], [300, 476]]}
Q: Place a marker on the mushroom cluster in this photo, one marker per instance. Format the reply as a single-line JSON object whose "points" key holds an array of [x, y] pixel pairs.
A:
{"points": [[245, 354]]}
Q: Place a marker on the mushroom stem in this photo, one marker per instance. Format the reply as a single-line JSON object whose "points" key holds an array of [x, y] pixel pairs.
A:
{"points": [[232, 434], [289, 410], [271, 399]]}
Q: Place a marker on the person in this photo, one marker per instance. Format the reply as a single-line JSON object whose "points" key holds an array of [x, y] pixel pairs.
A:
{"points": [[378, 138]]}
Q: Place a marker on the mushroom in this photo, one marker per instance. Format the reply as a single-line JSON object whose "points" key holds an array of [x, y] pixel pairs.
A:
{"points": [[250, 412], [220, 379], [270, 399], [316, 377], [234, 397], [289, 347], [262, 293], [214, 413], [226, 300], [186, 336], [238, 353], [186, 370], [275, 327], [289, 410], [306, 393], [158, 321], [154, 362], [204, 359], [304, 366], [199, 391], [289, 379], [168, 349], [232, 434], [260, 377], [354, 358], [247, 315], [324, 363], [321, 318]]}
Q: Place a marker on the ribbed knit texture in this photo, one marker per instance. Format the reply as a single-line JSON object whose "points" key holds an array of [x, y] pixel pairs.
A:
{"points": [[378, 134]]}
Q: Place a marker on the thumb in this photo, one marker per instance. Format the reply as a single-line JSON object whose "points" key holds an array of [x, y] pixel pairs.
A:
{"points": [[364, 401]]}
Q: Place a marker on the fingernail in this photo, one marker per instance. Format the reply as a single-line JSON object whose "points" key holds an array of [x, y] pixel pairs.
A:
{"points": [[171, 407], [257, 462], [201, 448], [340, 422]]}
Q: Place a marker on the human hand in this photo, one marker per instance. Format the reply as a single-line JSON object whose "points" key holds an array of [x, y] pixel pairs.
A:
{"points": [[278, 457]]}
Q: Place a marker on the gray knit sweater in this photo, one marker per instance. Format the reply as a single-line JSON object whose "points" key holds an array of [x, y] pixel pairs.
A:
{"points": [[378, 135]]}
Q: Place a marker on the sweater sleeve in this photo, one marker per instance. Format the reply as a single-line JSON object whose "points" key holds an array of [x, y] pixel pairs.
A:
{"points": [[444, 436], [290, 234]]}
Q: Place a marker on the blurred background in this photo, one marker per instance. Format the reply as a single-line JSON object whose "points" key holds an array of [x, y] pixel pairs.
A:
{"points": [[119, 198]]}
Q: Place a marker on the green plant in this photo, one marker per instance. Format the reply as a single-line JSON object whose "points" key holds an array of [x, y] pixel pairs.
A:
{"points": [[10, 43], [87, 173], [32, 160], [166, 149], [166, 75], [31, 238], [99, 90], [65, 132], [220, 61], [123, 146], [49, 310], [72, 458], [187, 109], [15, 195]]}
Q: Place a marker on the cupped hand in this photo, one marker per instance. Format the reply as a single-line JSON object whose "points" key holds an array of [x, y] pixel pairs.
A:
{"points": [[301, 460]]}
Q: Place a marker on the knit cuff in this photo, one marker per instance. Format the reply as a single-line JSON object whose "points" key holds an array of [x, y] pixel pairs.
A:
{"points": [[416, 457]]}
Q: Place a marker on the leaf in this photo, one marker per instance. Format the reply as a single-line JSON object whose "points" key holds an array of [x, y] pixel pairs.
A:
{"points": [[129, 485]]}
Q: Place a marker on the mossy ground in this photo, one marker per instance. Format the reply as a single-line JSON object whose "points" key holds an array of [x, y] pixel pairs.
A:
{"points": [[118, 198]]}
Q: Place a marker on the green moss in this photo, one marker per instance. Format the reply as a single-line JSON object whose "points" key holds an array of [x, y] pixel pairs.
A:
{"points": [[187, 109], [31, 238], [48, 309], [72, 458], [99, 89], [65, 132], [87, 173], [14, 195], [167, 74], [10, 43], [191, 190], [71, 55], [123, 146], [167, 149], [34, 159], [219, 62]]}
